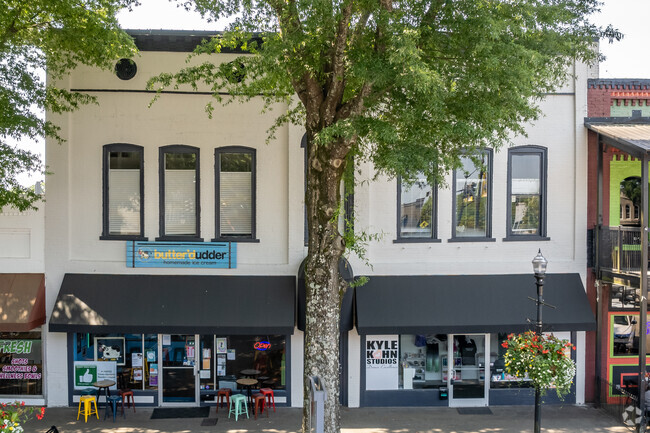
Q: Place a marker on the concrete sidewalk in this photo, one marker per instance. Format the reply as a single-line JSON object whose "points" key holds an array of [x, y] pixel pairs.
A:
{"points": [[518, 419]]}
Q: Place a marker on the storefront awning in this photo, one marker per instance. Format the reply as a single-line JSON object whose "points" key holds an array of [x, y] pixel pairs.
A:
{"points": [[347, 305], [175, 304], [470, 303], [630, 137], [22, 302]]}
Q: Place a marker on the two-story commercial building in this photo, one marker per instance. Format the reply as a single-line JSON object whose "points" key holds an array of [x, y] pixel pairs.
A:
{"points": [[173, 245]]}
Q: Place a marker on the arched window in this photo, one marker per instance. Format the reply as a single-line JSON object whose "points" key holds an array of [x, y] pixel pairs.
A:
{"points": [[123, 192]]}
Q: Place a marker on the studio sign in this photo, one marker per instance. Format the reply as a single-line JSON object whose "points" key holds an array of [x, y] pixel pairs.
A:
{"points": [[381, 352]]}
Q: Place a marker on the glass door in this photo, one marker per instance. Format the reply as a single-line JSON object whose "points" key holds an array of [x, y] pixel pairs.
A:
{"points": [[466, 369], [179, 366]]}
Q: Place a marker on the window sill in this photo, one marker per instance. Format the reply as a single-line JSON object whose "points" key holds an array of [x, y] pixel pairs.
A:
{"points": [[178, 239], [527, 238], [237, 240], [416, 241], [471, 239], [122, 238]]}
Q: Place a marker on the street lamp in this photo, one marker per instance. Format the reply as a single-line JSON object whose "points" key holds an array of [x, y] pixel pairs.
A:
{"points": [[539, 267]]}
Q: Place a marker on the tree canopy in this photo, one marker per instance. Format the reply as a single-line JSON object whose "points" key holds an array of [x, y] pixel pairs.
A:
{"points": [[53, 36], [409, 85]]}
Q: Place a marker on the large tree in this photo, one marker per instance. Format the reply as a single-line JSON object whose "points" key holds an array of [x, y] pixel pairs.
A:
{"points": [[406, 84], [53, 36]]}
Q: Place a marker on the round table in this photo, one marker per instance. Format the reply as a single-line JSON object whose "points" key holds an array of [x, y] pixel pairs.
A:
{"points": [[248, 384], [250, 372], [104, 384]]}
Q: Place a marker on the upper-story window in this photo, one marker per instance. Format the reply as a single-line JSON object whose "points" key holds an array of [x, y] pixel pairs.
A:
{"points": [[123, 195], [473, 198], [235, 188], [526, 193], [416, 211], [179, 193]]}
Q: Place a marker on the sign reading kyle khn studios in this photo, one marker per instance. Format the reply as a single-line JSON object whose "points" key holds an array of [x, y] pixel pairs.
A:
{"points": [[181, 255]]}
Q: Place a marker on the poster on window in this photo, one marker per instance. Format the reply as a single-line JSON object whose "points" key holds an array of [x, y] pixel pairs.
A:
{"points": [[86, 373], [222, 345], [382, 362], [109, 349]]}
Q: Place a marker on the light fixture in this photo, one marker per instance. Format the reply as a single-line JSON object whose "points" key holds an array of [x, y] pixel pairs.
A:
{"points": [[539, 264]]}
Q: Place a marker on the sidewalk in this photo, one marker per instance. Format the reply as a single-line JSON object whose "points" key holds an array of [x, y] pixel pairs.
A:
{"points": [[519, 419]]}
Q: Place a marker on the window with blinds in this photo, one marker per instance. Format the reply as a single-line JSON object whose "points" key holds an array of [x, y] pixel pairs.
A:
{"points": [[123, 189], [236, 186], [180, 194]]}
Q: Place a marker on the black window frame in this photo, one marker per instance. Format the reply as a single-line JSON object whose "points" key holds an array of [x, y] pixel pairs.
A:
{"points": [[488, 217], [434, 217], [178, 148], [543, 153], [106, 151], [217, 211]]}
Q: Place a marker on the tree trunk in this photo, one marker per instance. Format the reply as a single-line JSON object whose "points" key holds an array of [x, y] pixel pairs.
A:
{"points": [[324, 286]]}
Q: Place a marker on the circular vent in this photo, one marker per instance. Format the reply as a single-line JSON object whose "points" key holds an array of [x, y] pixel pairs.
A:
{"points": [[125, 69]]}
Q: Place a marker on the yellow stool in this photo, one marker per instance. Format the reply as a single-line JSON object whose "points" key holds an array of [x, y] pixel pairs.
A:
{"points": [[88, 402]]}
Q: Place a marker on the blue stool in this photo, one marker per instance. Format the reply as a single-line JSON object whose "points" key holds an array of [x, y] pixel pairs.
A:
{"points": [[90, 391], [113, 400], [241, 406]]}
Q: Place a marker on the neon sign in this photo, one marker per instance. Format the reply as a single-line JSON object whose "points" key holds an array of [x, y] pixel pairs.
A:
{"points": [[262, 345]]}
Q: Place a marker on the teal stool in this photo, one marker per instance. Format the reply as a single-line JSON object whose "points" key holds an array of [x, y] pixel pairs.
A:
{"points": [[90, 391], [112, 400], [240, 406]]}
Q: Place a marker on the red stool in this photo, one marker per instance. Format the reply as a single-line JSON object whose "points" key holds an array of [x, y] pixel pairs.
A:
{"points": [[258, 400], [127, 396], [270, 398], [223, 396]]}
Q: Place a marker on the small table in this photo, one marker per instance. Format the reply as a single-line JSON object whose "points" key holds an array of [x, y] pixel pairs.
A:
{"points": [[104, 384], [250, 373], [248, 384]]}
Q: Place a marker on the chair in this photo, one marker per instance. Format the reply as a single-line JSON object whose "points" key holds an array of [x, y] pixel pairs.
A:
{"points": [[270, 397], [125, 392], [223, 396], [88, 402], [113, 400], [240, 406], [258, 401]]}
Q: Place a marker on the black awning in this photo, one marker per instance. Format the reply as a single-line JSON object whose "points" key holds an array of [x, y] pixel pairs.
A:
{"points": [[347, 305], [470, 303], [181, 304]]}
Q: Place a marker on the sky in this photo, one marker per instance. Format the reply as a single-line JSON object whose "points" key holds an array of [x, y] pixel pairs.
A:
{"points": [[628, 58]]}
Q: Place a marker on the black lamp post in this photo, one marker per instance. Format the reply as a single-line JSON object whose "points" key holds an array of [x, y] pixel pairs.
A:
{"points": [[539, 266]]}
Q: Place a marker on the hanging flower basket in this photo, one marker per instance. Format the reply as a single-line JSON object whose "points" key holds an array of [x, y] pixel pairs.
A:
{"points": [[544, 359]]}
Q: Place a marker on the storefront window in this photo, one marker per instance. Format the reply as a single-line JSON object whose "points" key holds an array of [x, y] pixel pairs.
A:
{"points": [[265, 354], [21, 361], [135, 366], [625, 333], [423, 361]]}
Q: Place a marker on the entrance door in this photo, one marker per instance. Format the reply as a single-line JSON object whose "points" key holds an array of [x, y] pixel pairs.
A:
{"points": [[466, 370], [179, 367]]}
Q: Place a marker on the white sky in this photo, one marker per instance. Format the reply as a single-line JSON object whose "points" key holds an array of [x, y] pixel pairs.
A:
{"points": [[628, 58]]}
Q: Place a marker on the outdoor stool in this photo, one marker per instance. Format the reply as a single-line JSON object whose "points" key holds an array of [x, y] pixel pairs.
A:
{"points": [[239, 401], [89, 391], [88, 401], [112, 400], [258, 400], [270, 397], [127, 397], [223, 396]]}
